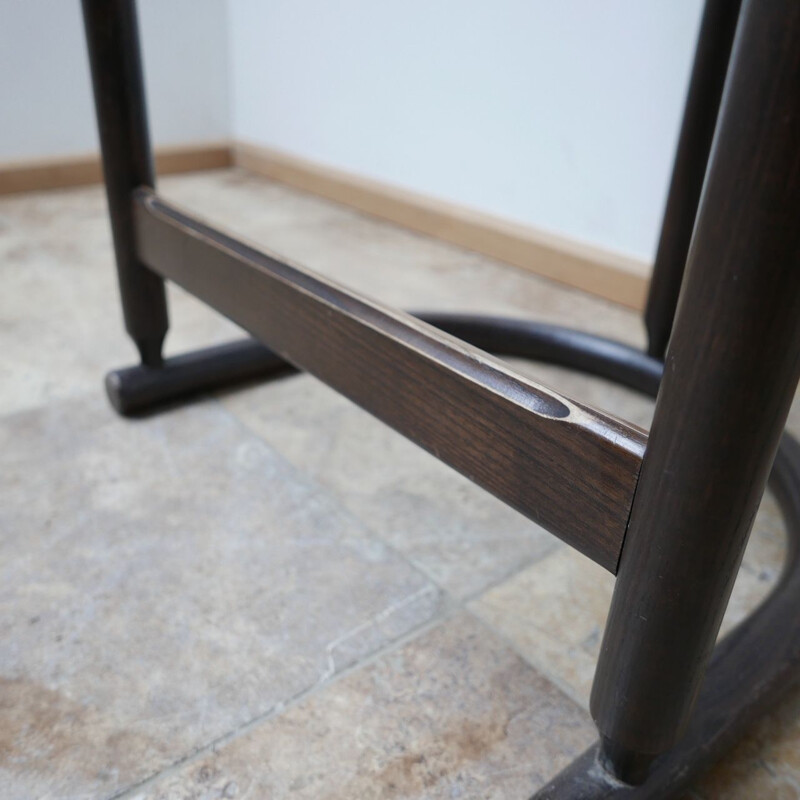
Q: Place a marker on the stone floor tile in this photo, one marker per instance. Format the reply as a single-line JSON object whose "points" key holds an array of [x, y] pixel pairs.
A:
{"points": [[555, 610], [59, 309], [453, 714], [236, 199], [150, 606], [163, 582], [554, 613]]}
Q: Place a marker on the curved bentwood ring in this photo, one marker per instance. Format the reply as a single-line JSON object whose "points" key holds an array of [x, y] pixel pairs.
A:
{"points": [[751, 667]]}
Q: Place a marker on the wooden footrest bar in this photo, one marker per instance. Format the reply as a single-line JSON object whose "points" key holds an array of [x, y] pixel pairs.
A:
{"points": [[567, 467]]}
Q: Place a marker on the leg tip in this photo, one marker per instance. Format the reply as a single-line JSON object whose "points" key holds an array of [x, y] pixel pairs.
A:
{"points": [[115, 391], [625, 765]]}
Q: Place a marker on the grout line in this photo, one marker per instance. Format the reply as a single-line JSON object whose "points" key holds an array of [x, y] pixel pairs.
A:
{"points": [[278, 709], [555, 545], [565, 689], [450, 607]]}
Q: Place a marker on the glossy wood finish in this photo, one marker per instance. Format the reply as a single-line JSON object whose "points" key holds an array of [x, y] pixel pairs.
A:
{"points": [[554, 344], [113, 42], [568, 468], [711, 57], [731, 371]]}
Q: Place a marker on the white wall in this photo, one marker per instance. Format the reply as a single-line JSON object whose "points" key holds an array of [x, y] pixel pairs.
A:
{"points": [[45, 89], [560, 114]]}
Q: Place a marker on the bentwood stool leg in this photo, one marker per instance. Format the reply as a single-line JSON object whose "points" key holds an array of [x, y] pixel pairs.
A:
{"points": [[114, 56], [714, 43], [731, 371], [730, 374]]}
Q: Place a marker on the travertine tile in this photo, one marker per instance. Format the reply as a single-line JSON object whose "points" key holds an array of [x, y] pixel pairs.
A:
{"points": [[164, 582], [60, 316], [554, 613], [59, 309], [152, 605], [413, 272], [233, 198], [455, 532], [453, 714]]}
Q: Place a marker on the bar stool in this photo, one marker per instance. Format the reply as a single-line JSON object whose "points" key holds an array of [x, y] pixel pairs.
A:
{"points": [[670, 512]]}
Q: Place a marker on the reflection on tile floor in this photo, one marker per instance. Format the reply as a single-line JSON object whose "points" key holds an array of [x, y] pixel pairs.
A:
{"points": [[268, 593]]}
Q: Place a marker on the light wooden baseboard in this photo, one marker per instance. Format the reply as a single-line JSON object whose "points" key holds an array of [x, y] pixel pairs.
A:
{"points": [[82, 170], [610, 275]]}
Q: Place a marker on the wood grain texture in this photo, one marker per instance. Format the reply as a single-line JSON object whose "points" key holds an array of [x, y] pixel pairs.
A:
{"points": [[753, 668], [731, 372], [569, 468], [610, 275], [61, 173]]}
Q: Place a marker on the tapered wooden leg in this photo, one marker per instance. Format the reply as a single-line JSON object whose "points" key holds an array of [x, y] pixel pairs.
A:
{"points": [[730, 375], [113, 44], [694, 144]]}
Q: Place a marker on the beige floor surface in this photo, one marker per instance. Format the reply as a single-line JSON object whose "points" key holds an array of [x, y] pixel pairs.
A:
{"points": [[267, 593]]}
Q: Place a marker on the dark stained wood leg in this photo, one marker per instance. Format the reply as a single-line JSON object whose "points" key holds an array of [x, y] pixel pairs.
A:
{"points": [[113, 44], [730, 375], [752, 668], [694, 144]]}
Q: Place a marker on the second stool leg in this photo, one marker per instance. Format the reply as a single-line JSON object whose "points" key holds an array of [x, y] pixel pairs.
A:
{"points": [[114, 58], [691, 159], [730, 374]]}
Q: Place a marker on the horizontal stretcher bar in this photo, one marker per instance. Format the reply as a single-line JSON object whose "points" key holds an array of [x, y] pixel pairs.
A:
{"points": [[569, 468]]}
